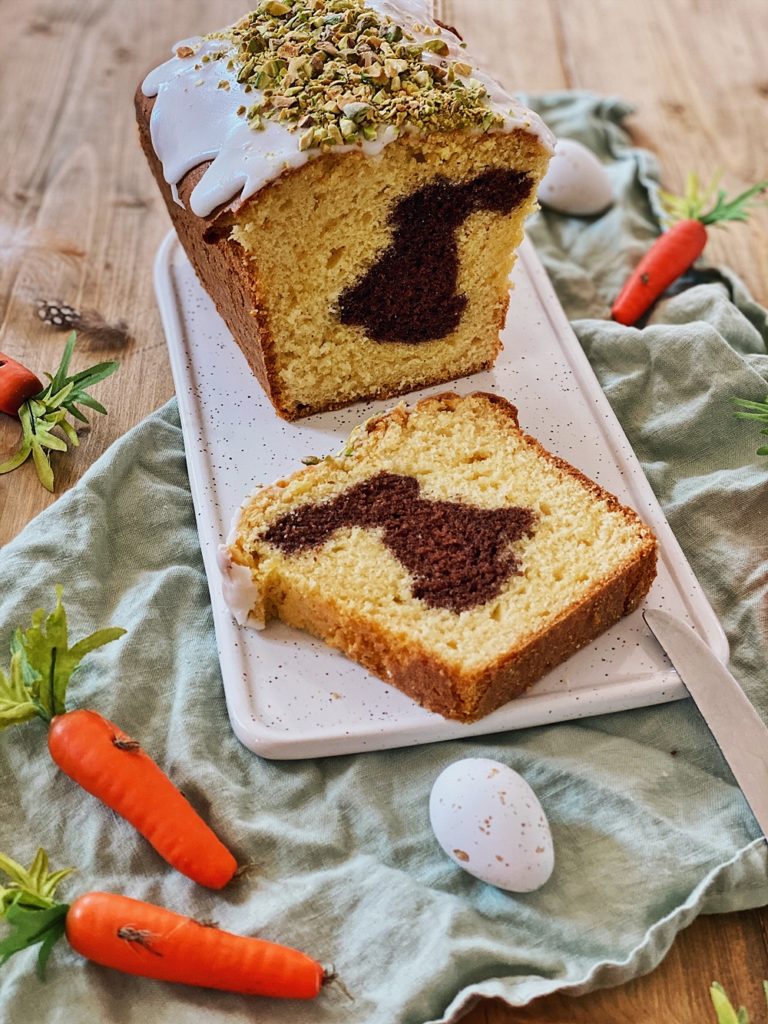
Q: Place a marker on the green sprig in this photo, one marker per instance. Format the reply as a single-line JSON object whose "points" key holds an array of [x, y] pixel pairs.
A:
{"points": [[726, 1014], [43, 417], [42, 663], [748, 410], [27, 904], [694, 202]]}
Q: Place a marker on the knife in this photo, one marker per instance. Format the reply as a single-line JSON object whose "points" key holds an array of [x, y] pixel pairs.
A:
{"points": [[734, 723]]}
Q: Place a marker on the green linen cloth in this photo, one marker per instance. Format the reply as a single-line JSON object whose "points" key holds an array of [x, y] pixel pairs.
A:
{"points": [[648, 826]]}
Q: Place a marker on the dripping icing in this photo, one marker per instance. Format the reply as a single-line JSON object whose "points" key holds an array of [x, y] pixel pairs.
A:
{"points": [[195, 121]]}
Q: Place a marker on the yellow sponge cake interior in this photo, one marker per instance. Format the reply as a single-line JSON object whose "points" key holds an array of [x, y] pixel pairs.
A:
{"points": [[446, 551]]}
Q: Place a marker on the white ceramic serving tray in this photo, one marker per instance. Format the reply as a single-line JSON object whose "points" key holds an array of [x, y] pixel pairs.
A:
{"points": [[290, 696]]}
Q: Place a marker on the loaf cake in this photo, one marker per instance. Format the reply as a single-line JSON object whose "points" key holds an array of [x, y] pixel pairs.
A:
{"points": [[350, 189], [443, 549]]}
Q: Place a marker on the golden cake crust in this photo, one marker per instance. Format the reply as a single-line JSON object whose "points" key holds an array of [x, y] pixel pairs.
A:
{"points": [[452, 692], [232, 278], [219, 263], [467, 697]]}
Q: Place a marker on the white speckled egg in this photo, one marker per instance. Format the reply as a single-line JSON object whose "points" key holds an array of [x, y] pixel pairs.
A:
{"points": [[489, 821], [576, 182]]}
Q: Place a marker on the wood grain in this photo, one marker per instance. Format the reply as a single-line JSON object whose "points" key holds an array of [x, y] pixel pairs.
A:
{"points": [[80, 220]]}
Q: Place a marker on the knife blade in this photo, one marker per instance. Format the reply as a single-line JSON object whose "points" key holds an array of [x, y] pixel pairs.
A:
{"points": [[734, 723]]}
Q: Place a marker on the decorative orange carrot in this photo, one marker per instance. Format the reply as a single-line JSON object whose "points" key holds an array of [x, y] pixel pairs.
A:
{"points": [[98, 755], [43, 412], [141, 938], [17, 384], [674, 251]]}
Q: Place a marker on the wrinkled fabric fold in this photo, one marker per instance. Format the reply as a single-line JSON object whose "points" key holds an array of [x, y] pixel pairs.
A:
{"points": [[649, 828]]}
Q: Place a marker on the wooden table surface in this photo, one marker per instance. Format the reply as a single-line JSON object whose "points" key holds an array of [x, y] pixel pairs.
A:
{"points": [[80, 221]]}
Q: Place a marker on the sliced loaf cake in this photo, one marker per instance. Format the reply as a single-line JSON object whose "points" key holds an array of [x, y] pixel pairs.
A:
{"points": [[446, 551], [350, 188]]}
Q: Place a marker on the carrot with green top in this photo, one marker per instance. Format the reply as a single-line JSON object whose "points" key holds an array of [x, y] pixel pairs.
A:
{"points": [[143, 939], [675, 250], [42, 410], [98, 755]]}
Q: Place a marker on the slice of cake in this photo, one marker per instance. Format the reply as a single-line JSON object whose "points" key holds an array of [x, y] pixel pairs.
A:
{"points": [[445, 550], [350, 189]]}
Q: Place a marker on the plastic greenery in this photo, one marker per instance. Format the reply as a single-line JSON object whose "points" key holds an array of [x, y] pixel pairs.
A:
{"points": [[28, 906], [42, 663], [44, 425], [693, 203], [724, 1008], [753, 411]]}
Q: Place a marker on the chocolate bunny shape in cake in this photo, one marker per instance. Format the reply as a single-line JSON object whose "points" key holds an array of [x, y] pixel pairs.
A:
{"points": [[459, 556], [409, 294]]}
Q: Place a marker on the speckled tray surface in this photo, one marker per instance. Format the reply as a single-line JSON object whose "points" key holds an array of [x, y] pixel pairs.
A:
{"points": [[290, 696]]}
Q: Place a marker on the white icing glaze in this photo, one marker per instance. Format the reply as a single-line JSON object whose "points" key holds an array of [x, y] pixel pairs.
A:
{"points": [[194, 120], [240, 593]]}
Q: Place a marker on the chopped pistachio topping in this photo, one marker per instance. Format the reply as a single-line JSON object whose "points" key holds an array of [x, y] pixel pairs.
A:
{"points": [[337, 72]]}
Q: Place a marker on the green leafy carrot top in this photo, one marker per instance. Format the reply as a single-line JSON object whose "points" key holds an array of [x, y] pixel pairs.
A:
{"points": [[42, 663], [693, 203], [44, 426], [28, 906]]}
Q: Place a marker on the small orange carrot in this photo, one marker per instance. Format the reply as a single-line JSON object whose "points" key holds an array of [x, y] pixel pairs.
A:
{"points": [[17, 384], [674, 251], [98, 755], [143, 939], [669, 257], [113, 767], [139, 938]]}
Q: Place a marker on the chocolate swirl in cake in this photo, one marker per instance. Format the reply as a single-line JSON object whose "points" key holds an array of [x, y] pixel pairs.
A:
{"points": [[458, 555], [409, 294]]}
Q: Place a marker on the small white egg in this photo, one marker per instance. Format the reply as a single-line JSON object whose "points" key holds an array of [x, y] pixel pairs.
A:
{"points": [[489, 821], [576, 182]]}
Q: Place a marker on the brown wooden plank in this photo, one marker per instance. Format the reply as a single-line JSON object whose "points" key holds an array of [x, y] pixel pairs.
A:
{"points": [[523, 54], [725, 948], [80, 220], [699, 79]]}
